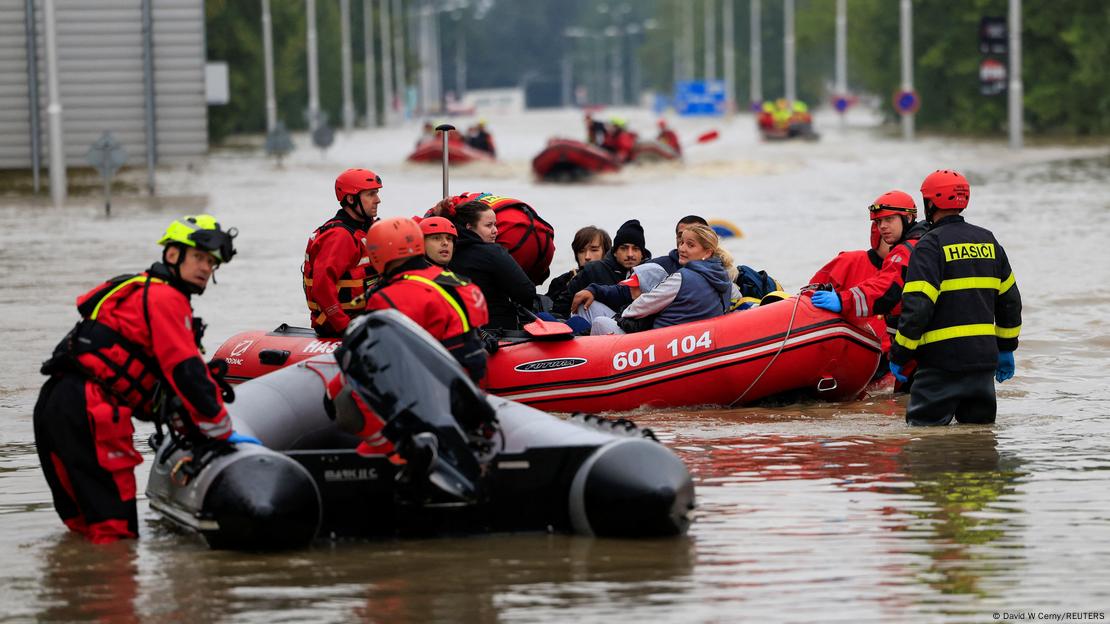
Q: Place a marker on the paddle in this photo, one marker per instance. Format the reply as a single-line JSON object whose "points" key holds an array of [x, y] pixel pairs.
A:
{"points": [[540, 328], [444, 129], [709, 136]]}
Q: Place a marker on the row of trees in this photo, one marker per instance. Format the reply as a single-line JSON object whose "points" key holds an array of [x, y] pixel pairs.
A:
{"points": [[1065, 55]]}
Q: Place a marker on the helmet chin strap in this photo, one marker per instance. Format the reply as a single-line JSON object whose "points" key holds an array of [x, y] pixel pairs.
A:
{"points": [[357, 207], [930, 210]]}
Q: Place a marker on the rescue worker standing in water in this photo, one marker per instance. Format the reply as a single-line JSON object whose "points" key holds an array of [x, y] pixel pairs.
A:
{"points": [[137, 341], [894, 230], [961, 313], [335, 265], [449, 307]]}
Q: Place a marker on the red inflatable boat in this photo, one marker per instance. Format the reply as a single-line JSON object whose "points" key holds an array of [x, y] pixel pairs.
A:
{"points": [[653, 151], [740, 358], [431, 151], [568, 160]]}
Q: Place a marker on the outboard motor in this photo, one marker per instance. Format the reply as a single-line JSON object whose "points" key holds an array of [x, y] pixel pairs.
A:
{"points": [[428, 408]]}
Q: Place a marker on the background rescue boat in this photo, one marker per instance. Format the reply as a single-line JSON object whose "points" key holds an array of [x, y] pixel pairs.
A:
{"points": [[431, 151], [570, 160]]}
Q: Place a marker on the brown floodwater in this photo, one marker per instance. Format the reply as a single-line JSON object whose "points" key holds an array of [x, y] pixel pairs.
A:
{"points": [[806, 512]]}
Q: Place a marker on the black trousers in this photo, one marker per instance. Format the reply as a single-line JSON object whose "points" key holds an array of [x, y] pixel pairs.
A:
{"points": [[937, 396], [88, 458]]}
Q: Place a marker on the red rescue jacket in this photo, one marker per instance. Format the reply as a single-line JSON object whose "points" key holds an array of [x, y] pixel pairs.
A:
{"points": [[848, 269], [137, 331], [336, 273], [441, 302]]}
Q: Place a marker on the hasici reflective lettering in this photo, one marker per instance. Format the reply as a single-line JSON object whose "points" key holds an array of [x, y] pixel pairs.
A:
{"points": [[969, 251]]}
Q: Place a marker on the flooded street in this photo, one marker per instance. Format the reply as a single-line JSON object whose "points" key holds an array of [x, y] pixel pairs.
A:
{"points": [[808, 512]]}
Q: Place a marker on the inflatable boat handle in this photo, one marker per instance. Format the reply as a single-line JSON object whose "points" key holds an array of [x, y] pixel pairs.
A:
{"points": [[273, 357]]}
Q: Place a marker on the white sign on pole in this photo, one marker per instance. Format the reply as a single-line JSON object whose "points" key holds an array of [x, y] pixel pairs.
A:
{"points": [[217, 88]]}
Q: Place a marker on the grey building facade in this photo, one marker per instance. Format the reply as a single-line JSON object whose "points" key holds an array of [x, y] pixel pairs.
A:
{"points": [[101, 82]]}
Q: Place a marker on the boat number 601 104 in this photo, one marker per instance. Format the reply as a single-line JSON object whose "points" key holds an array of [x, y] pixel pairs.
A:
{"points": [[638, 357]]}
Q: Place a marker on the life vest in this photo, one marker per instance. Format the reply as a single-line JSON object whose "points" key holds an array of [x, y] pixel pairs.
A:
{"points": [[124, 369], [465, 299], [351, 285], [528, 238]]}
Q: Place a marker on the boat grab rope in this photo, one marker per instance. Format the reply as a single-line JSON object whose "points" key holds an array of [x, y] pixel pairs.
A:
{"points": [[782, 345], [614, 425]]}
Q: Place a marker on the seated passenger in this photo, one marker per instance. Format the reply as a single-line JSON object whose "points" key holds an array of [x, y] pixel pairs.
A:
{"points": [[700, 289], [479, 138], [590, 243], [628, 251], [489, 265], [751, 285], [669, 136], [601, 305], [439, 240]]}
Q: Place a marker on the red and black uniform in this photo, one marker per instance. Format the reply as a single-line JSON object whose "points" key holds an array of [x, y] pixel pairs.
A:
{"points": [[848, 269], [447, 306], [137, 341], [960, 307], [336, 274], [882, 292], [669, 137]]}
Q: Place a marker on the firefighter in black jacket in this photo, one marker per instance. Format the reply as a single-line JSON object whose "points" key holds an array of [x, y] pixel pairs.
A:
{"points": [[961, 313]]}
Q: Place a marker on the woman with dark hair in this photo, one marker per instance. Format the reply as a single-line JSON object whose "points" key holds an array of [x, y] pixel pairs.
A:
{"points": [[487, 264], [590, 243]]}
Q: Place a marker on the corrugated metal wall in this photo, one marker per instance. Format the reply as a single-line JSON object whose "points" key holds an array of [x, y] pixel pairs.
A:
{"points": [[100, 58]]}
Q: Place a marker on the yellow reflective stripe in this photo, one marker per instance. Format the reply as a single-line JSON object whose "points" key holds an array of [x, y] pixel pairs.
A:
{"points": [[137, 278], [1007, 332], [1006, 284], [443, 293], [968, 283], [343, 283], [906, 342], [923, 287]]}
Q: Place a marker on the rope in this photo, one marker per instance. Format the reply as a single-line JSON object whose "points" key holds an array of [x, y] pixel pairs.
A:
{"points": [[789, 328]]}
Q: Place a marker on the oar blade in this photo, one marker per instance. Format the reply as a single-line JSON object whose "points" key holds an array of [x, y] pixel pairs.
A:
{"points": [[706, 137]]}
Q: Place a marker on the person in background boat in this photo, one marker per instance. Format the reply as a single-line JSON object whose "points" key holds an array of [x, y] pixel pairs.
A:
{"points": [[801, 122], [700, 289], [766, 118], [489, 265], [619, 140], [439, 240], [595, 131], [480, 138], [446, 305], [894, 230], [136, 344], [669, 136], [590, 243], [961, 312], [751, 285], [335, 267], [427, 131], [628, 251], [600, 306]]}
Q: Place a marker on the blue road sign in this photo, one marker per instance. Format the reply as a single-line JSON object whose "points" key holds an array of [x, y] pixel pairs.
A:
{"points": [[906, 102], [699, 97]]}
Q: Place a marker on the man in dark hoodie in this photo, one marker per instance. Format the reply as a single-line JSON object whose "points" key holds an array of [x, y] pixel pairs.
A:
{"points": [[628, 251]]}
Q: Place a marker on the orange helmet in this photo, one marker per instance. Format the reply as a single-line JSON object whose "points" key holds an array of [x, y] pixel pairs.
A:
{"points": [[354, 181], [893, 203], [438, 225], [946, 189], [392, 239]]}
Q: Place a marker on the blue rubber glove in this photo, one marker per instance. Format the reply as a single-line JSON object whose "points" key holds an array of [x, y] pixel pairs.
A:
{"points": [[1006, 366], [238, 438], [896, 370], [827, 300]]}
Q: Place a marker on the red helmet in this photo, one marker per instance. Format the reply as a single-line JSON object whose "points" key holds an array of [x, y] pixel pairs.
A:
{"points": [[392, 239], [947, 189], [354, 181], [893, 203], [438, 225]]}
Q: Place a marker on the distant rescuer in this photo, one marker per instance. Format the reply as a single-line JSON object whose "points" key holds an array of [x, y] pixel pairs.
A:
{"points": [[961, 313], [137, 341], [335, 269]]}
